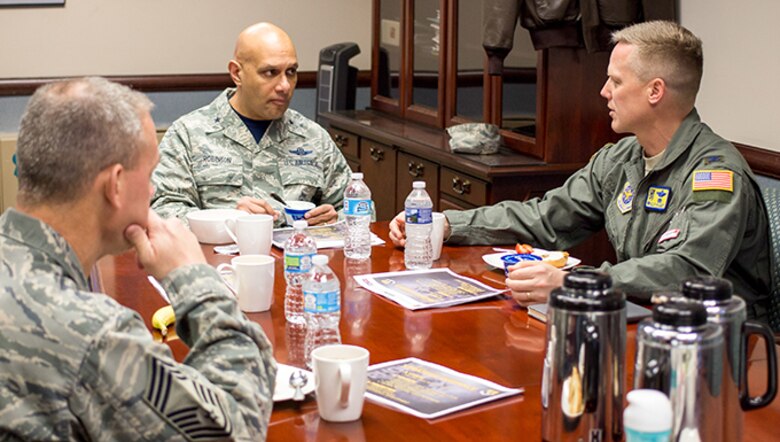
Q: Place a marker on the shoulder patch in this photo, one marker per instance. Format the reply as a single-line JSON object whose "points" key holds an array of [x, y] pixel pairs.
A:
{"points": [[719, 180], [193, 408], [625, 199]]}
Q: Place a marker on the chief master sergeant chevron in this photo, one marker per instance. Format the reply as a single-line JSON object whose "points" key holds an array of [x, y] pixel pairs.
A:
{"points": [[76, 365], [247, 144]]}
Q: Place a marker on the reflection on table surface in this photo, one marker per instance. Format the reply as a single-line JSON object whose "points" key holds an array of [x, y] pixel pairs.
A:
{"points": [[493, 339]]}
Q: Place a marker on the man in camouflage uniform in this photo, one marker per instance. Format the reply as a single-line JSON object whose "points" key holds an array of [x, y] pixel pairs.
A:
{"points": [[247, 144], [76, 365], [676, 199]]}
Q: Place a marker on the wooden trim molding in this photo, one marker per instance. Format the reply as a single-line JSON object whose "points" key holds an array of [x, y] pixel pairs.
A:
{"points": [[165, 83], [762, 161]]}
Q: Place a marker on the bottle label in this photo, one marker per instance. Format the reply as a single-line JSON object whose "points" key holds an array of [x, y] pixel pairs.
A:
{"points": [[643, 436], [297, 263], [357, 207], [419, 215], [327, 302]]}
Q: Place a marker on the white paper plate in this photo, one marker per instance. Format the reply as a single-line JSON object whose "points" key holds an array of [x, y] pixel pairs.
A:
{"points": [[494, 259], [282, 390]]}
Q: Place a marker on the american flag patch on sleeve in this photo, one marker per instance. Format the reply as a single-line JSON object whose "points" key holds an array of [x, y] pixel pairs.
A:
{"points": [[713, 180]]}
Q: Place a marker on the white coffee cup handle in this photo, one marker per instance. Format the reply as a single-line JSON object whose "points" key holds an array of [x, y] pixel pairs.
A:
{"points": [[230, 224], [227, 268], [345, 371]]}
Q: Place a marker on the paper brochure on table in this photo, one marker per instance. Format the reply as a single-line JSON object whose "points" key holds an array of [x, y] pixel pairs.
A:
{"points": [[329, 236], [429, 390], [417, 289]]}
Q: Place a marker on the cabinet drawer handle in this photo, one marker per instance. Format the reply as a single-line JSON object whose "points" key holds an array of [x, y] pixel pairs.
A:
{"points": [[416, 169], [341, 141], [461, 186], [376, 154]]}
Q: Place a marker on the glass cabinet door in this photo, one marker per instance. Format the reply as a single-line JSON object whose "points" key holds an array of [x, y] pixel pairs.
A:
{"points": [[387, 62], [469, 61], [426, 46], [518, 98]]}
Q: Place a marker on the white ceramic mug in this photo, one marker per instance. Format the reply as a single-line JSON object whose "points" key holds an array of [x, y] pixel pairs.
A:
{"points": [[252, 282], [437, 234], [340, 374], [252, 233]]}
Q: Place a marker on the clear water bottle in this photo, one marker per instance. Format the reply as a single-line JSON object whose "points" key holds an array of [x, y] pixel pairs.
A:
{"points": [[357, 210], [418, 253], [299, 249], [648, 417], [321, 306]]}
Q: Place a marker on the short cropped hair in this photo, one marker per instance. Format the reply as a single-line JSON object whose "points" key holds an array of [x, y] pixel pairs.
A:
{"points": [[70, 131], [668, 51]]}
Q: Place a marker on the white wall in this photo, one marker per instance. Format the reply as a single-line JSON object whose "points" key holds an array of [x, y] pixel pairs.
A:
{"points": [[740, 91], [136, 37]]}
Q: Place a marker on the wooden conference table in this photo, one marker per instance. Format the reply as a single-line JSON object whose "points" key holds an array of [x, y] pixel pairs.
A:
{"points": [[493, 339]]}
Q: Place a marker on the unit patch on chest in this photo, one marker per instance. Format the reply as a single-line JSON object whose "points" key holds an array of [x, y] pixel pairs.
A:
{"points": [[658, 198], [625, 198]]}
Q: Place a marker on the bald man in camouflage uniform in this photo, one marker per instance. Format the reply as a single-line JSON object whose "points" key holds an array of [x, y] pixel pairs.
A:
{"points": [[247, 144], [76, 365]]}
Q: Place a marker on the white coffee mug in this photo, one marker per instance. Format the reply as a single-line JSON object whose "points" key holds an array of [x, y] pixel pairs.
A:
{"points": [[252, 233], [340, 374], [437, 234], [252, 281]]}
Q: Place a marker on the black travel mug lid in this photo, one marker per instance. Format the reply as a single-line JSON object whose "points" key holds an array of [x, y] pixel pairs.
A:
{"points": [[587, 279], [587, 290], [707, 288], [680, 313]]}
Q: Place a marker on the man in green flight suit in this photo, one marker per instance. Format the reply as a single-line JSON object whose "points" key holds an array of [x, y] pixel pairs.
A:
{"points": [[676, 199], [75, 364], [247, 144]]}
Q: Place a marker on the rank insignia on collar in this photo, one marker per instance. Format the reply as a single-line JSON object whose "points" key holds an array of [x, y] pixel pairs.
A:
{"points": [[713, 159], [625, 198], [300, 151], [658, 198]]}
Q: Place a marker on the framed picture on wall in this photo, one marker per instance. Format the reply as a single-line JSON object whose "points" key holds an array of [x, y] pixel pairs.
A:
{"points": [[32, 3]]}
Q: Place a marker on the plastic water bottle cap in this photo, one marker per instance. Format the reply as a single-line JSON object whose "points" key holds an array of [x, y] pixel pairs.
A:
{"points": [[320, 260], [418, 185], [357, 175], [300, 224], [648, 411]]}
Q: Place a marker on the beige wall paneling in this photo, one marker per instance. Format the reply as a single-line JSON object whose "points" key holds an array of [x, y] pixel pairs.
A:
{"points": [[149, 37], [9, 185]]}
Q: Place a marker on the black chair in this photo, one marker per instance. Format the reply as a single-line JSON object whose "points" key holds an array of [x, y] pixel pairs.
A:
{"points": [[771, 198]]}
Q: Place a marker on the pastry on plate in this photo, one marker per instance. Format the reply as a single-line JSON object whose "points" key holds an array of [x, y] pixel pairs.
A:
{"points": [[556, 258]]}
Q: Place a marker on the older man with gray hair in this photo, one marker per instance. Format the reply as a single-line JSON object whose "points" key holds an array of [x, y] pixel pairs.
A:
{"points": [[77, 365]]}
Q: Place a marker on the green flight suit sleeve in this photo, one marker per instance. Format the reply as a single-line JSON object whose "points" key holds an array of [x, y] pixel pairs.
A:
{"points": [[175, 189], [131, 388], [711, 231], [564, 217]]}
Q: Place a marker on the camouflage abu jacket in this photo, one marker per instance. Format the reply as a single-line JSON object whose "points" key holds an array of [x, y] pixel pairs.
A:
{"points": [[699, 212], [76, 365], [209, 159]]}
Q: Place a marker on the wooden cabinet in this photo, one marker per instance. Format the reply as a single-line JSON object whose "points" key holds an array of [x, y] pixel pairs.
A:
{"points": [[348, 143], [378, 163], [412, 168], [428, 66], [463, 190], [394, 152]]}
